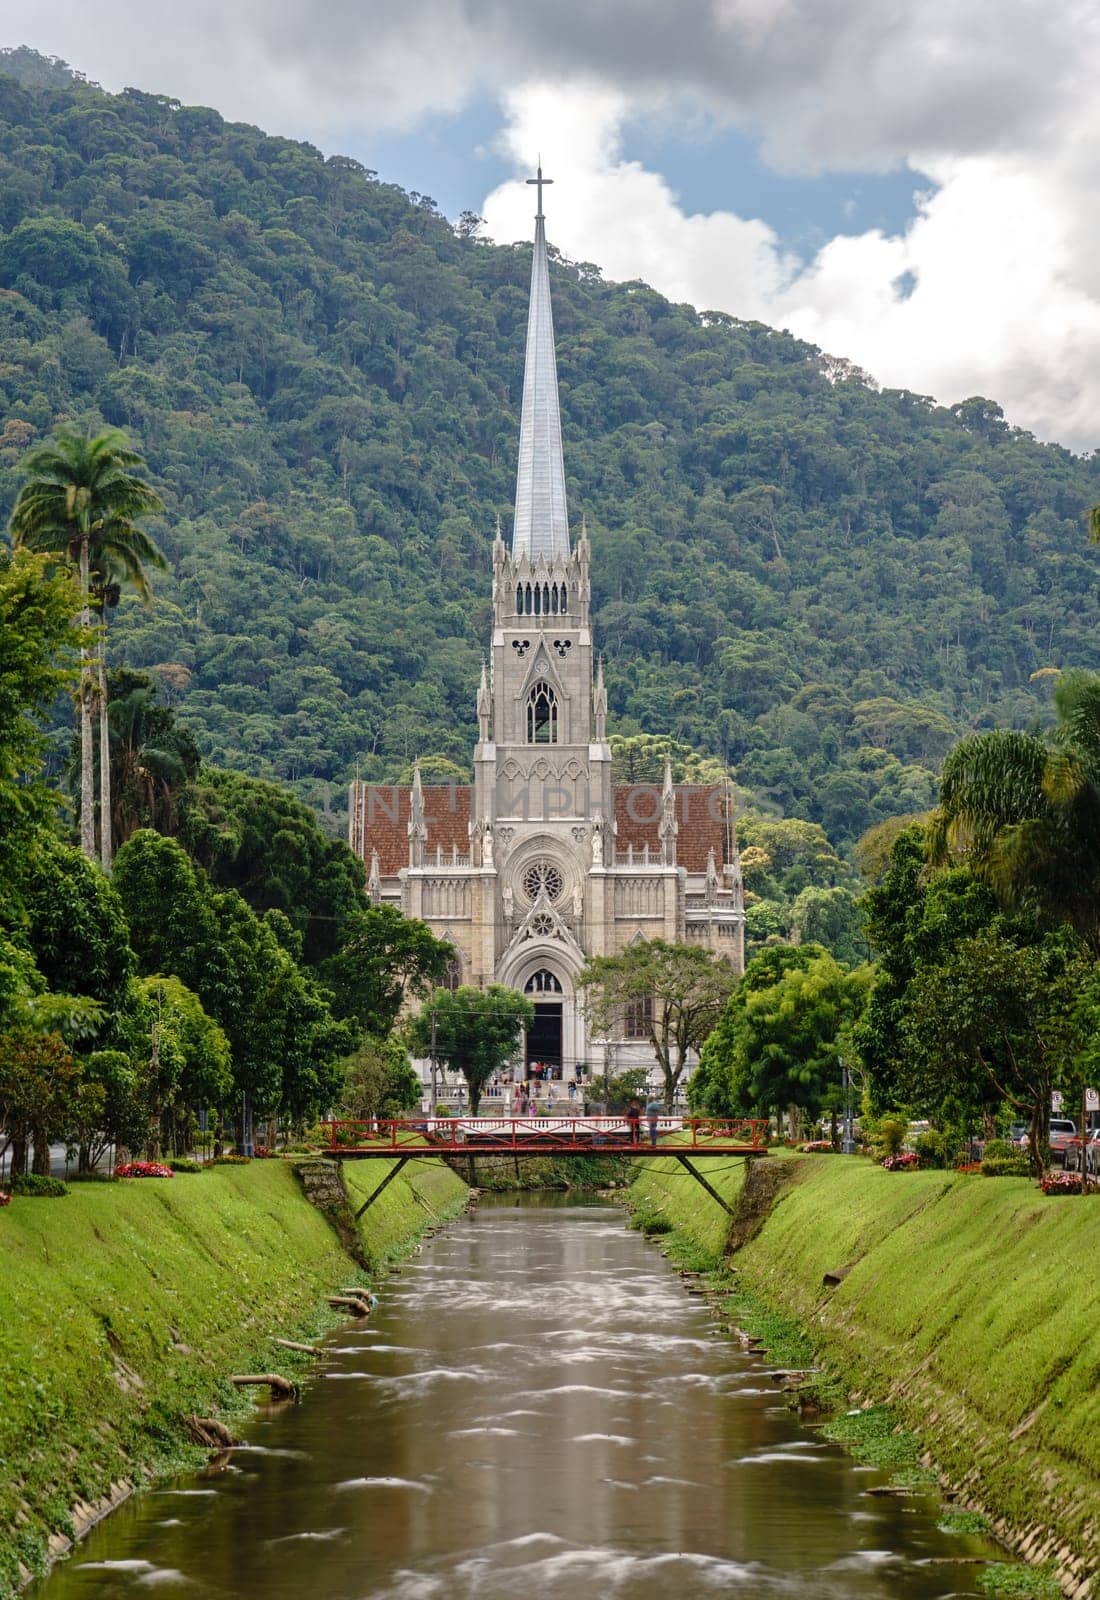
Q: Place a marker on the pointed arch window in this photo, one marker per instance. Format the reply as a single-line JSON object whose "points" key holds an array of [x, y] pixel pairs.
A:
{"points": [[519, 599], [543, 982], [554, 599], [564, 598], [542, 715]]}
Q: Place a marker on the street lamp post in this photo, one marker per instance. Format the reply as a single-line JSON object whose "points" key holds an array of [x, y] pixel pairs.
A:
{"points": [[847, 1143]]}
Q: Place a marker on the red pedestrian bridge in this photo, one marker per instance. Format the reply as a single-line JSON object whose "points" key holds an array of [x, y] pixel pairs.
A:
{"points": [[682, 1138]]}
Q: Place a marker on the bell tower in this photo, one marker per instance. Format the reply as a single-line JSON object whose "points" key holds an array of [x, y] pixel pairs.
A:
{"points": [[540, 762]]}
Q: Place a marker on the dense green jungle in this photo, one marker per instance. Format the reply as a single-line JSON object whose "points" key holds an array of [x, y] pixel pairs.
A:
{"points": [[820, 583]]}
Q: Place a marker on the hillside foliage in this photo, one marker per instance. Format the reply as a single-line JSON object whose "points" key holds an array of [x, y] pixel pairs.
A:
{"points": [[820, 583]]}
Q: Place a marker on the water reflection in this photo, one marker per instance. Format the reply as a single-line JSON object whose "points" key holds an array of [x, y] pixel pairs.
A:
{"points": [[537, 1409]]}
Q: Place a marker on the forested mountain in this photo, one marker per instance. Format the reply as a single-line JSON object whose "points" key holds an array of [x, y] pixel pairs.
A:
{"points": [[822, 583]]}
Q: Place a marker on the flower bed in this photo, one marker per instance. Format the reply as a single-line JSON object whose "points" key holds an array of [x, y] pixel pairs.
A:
{"points": [[969, 1167], [909, 1161], [816, 1147], [1067, 1183], [143, 1169], [5, 1199]]}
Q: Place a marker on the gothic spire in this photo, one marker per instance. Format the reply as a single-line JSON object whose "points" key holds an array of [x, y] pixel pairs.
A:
{"points": [[599, 704], [418, 828], [541, 526], [669, 828]]}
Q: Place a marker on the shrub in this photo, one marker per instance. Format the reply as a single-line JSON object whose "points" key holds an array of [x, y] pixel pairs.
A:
{"points": [[931, 1147], [260, 1152], [144, 1169], [888, 1136], [230, 1161], [1066, 1183], [1015, 1166], [33, 1183], [178, 1164], [999, 1150], [907, 1162]]}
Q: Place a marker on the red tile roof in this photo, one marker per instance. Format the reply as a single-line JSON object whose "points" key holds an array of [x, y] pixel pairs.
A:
{"points": [[699, 813], [446, 812]]}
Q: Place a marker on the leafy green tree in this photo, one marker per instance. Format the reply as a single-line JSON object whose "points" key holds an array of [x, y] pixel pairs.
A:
{"points": [[83, 498], [1011, 1012], [39, 1080], [256, 838], [778, 1045], [184, 1059], [384, 961], [915, 918], [75, 926], [473, 1031], [379, 1081], [110, 1109], [679, 989], [1024, 811], [38, 641], [153, 757], [830, 917]]}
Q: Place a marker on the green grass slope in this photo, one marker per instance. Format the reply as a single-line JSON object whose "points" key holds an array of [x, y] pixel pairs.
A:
{"points": [[125, 1307], [970, 1305]]}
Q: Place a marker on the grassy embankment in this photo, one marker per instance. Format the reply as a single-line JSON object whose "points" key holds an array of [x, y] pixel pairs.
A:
{"points": [[124, 1307], [969, 1305]]}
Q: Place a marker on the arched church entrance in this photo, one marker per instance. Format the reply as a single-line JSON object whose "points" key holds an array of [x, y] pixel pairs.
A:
{"points": [[544, 1035]]}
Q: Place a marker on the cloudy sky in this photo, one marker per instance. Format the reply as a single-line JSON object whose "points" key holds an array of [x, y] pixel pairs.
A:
{"points": [[912, 184]]}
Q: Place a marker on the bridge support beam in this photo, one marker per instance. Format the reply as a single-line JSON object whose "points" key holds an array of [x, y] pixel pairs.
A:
{"points": [[390, 1176], [698, 1176]]}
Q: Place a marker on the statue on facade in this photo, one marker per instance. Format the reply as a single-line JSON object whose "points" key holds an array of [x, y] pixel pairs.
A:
{"points": [[597, 841], [487, 845], [508, 903]]}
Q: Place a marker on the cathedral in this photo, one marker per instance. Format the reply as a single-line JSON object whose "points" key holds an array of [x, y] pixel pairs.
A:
{"points": [[544, 860]]}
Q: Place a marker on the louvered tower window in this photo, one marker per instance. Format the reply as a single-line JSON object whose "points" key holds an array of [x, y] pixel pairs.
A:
{"points": [[542, 715]]}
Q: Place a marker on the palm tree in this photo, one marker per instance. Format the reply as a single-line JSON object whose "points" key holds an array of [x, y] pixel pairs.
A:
{"points": [[120, 553], [1024, 811], [82, 498]]}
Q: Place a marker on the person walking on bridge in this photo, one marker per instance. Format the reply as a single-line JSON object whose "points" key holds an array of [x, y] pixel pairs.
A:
{"points": [[653, 1112], [634, 1119]]}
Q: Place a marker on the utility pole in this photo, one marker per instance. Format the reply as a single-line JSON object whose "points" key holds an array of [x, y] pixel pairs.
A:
{"points": [[847, 1143], [432, 1100]]}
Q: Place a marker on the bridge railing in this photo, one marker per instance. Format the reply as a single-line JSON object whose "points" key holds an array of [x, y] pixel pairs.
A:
{"points": [[444, 1133]]}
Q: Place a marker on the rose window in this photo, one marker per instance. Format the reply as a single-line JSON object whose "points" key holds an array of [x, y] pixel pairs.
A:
{"points": [[542, 925], [543, 877]]}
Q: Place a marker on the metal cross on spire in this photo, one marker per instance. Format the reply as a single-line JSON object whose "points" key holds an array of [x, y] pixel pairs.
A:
{"points": [[539, 181]]}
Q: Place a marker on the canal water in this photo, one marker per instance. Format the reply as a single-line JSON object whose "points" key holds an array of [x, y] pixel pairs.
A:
{"points": [[536, 1411]]}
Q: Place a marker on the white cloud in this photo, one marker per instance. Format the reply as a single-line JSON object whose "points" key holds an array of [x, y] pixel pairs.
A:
{"points": [[993, 100], [993, 288]]}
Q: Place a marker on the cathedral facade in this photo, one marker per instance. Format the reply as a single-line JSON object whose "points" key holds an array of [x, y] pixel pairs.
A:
{"points": [[544, 860]]}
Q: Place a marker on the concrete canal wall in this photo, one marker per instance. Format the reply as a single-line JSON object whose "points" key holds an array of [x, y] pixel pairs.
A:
{"points": [[125, 1307], [968, 1304]]}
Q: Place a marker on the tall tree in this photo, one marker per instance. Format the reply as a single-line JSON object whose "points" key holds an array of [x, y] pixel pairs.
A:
{"points": [[82, 498], [475, 1031], [1024, 811], [38, 644], [120, 553], [677, 992]]}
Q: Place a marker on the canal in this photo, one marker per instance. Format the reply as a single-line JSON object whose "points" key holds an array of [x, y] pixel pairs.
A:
{"points": [[537, 1409]]}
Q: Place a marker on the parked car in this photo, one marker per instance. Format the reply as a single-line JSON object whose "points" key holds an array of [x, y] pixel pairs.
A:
{"points": [[1062, 1134], [1072, 1157]]}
